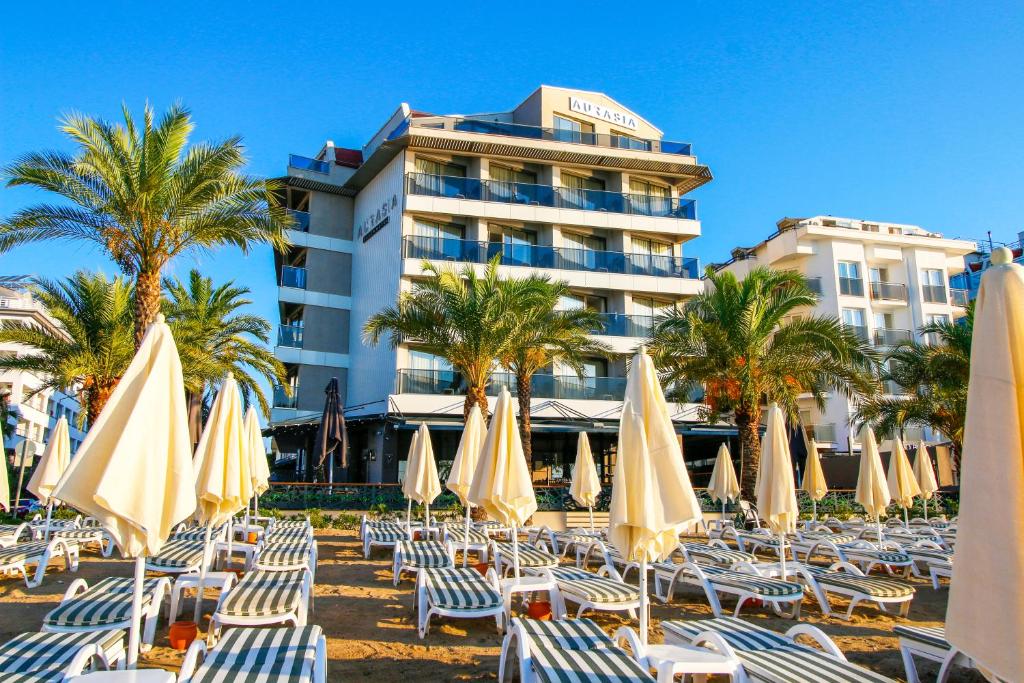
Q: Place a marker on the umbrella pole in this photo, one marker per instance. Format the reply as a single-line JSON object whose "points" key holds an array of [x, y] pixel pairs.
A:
{"points": [[591, 511], [814, 510], [906, 517], [782, 554], [408, 519], [136, 625], [644, 602], [925, 501], [202, 576], [878, 523], [426, 520], [515, 552], [722, 523], [465, 541], [49, 515]]}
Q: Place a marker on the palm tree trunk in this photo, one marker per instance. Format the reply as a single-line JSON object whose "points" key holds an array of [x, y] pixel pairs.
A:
{"points": [[475, 396], [97, 398], [523, 391], [747, 423], [147, 302]]}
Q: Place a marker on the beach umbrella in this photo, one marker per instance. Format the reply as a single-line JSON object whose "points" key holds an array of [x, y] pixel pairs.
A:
{"points": [[900, 479], [259, 470], [56, 458], [775, 489], [5, 488], [925, 475], [723, 486], [652, 498], [872, 491], [585, 486], [985, 617], [814, 484], [461, 476], [133, 471], [501, 484], [331, 435], [421, 482]]}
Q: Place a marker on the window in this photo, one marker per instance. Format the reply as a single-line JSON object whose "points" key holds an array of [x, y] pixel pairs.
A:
{"points": [[652, 308], [932, 288], [850, 282], [436, 167], [651, 257], [853, 318], [513, 185], [627, 141], [582, 192], [934, 319], [579, 302], [438, 230], [647, 188], [517, 245], [570, 130], [878, 275], [583, 252], [649, 199], [653, 247]]}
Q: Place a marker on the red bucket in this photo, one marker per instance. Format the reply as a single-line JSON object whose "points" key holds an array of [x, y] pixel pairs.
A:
{"points": [[182, 634], [539, 610], [482, 567]]}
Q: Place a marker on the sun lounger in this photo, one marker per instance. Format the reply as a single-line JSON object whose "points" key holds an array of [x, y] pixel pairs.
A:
{"points": [[845, 579], [530, 557], [16, 558], [87, 533], [262, 598], [771, 657], [289, 535], [459, 593], [415, 555], [929, 643], [259, 655], [181, 556], [287, 556], [56, 657], [604, 591], [867, 555], [494, 529], [384, 534], [561, 542], [14, 533], [714, 552], [198, 533], [567, 651], [105, 605], [743, 581], [807, 542]]}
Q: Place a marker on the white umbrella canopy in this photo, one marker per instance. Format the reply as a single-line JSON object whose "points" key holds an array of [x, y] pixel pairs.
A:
{"points": [[814, 484], [872, 490], [585, 486], [723, 486], [5, 490], [775, 489], [141, 436], [460, 478], [56, 458], [985, 617], [421, 484], [259, 469], [902, 484], [925, 475]]}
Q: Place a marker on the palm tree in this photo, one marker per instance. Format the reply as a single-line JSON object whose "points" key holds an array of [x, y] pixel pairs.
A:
{"points": [[544, 336], [935, 375], [460, 315], [736, 341], [144, 198], [213, 338], [94, 345]]}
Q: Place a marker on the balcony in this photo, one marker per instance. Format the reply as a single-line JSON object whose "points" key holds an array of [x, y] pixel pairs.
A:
{"points": [[301, 219], [451, 383], [282, 399], [851, 286], [306, 164], [548, 195], [823, 433], [888, 291], [621, 325], [289, 335], [934, 294], [533, 256], [891, 337], [859, 330], [959, 297], [518, 130], [292, 276]]}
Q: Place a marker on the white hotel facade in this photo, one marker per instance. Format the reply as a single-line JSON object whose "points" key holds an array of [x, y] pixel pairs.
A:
{"points": [[569, 183]]}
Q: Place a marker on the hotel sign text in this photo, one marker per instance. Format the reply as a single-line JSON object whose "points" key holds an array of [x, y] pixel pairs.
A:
{"points": [[376, 221], [596, 111]]}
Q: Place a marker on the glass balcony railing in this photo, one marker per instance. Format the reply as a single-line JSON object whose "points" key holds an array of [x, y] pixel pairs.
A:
{"points": [[934, 294], [292, 276], [622, 325], [859, 330], [451, 383], [307, 164], [891, 337], [823, 433], [851, 286], [301, 219], [289, 335], [534, 256], [281, 397], [456, 187], [959, 297], [889, 291]]}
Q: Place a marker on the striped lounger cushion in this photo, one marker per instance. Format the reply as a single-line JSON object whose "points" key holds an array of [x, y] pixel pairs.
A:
{"points": [[874, 586], [578, 651], [458, 588], [934, 637], [106, 602], [264, 594], [882, 556], [193, 534], [43, 656], [768, 656], [284, 555], [931, 555], [714, 555], [529, 557], [287, 535], [758, 585], [567, 634], [424, 555], [24, 552], [80, 535], [594, 588], [291, 524], [763, 539], [387, 532], [838, 539], [178, 554], [7, 531], [261, 655], [458, 536]]}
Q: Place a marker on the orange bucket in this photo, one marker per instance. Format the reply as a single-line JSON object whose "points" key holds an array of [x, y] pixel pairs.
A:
{"points": [[182, 634], [482, 567], [252, 537], [539, 610], [417, 535]]}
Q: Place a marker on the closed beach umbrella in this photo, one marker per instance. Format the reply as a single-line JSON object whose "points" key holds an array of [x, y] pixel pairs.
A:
{"points": [[872, 491], [814, 484], [56, 458], [925, 475], [985, 618], [902, 484], [585, 486], [133, 472], [652, 498], [460, 478], [5, 489], [259, 470], [502, 485], [331, 435], [421, 482], [775, 489], [723, 486]]}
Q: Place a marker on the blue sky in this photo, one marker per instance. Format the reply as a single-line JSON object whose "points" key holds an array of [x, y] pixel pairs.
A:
{"points": [[901, 112]]}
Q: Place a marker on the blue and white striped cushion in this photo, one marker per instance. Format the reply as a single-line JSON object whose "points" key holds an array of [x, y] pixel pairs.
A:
{"points": [[458, 588], [261, 655], [594, 588], [424, 554], [529, 557], [44, 656]]}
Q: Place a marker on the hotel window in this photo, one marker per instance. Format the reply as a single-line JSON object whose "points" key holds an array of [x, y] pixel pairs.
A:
{"points": [[517, 246], [570, 130], [646, 312], [932, 288], [581, 192], [583, 252], [437, 167], [934, 319], [438, 230], [442, 179], [853, 318], [429, 374], [651, 257], [627, 141], [649, 199], [433, 240], [850, 282], [579, 302], [513, 185]]}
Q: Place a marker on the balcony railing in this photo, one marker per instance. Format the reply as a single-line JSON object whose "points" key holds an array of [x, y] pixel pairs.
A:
{"points": [[959, 297], [889, 291], [622, 325], [292, 276], [859, 330], [823, 433], [451, 383], [519, 130], [934, 294], [531, 255], [548, 195], [891, 337], [851, 286], [301, 219], [289, 335], [307, 164], [282, 399]]}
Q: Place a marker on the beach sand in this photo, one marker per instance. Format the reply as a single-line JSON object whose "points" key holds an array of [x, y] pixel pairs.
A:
{"points": [[371, 627]]}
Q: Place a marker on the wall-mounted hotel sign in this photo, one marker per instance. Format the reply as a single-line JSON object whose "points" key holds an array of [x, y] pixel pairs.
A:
{"points": [[376, 221], [596, 111]]}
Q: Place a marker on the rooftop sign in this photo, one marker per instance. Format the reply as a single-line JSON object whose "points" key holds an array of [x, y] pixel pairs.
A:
{"points": [[597, 111]]}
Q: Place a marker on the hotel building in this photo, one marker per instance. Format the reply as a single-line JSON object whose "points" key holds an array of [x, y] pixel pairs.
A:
{"points": [[883, 280], [568, 183]]}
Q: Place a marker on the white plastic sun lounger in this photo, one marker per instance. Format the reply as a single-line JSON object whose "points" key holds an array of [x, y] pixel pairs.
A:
{"points": [[931, 644], [412, 556], [383, 534], [86, 535], [530, 558], [743, 580], [867, 556], [179, 556], [14, 533], [458, 593], [41, 656], [259, 655], [477, 541], [264, 598], [287, 556], [843, 578], [16, 558], [604, 591]]}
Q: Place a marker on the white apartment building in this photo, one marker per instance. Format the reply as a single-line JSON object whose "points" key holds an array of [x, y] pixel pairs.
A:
{"points": [[884, 280], [33, 415], [569, 182]]}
